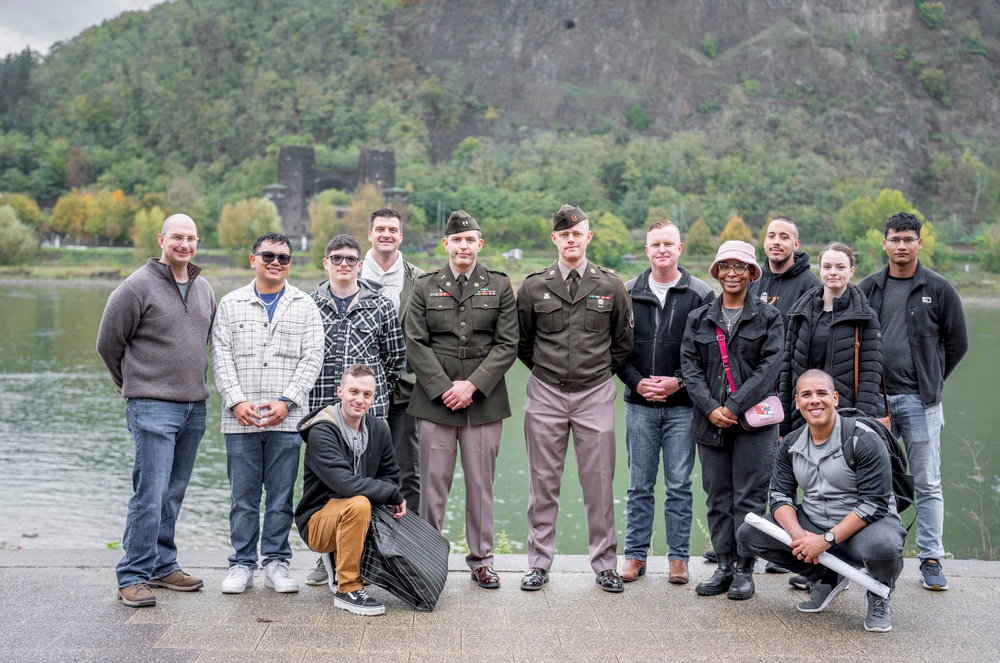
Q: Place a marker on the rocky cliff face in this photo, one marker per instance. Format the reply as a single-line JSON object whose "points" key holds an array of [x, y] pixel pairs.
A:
{"points": [[580, 63]]}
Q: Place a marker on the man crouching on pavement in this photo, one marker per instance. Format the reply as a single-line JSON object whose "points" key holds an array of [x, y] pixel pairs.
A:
{"points": [[349, 467], [851, 513]]}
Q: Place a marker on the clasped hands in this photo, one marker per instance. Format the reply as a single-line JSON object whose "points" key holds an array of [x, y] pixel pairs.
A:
{"points": [[271, 413], [459, 396], [656, 388]]}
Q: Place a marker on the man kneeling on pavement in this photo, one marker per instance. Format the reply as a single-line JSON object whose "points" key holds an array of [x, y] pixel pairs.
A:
{"points": [[349, 467], [850, 513]]}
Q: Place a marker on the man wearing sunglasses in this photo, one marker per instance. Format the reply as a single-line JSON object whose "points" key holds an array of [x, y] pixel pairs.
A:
{"points": [[267, 349], [361, 327], [461, 338]]}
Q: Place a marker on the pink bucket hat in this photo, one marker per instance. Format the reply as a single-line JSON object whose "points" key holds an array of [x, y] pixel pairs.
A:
{"points": [[738, 251]]}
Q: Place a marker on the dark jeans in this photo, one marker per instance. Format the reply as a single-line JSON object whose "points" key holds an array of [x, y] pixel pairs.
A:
{"points": [[735, 478], [878, 548], [403, 429]]}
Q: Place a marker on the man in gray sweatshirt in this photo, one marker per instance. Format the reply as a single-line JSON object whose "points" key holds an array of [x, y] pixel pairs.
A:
{"points": [[152, 339]]}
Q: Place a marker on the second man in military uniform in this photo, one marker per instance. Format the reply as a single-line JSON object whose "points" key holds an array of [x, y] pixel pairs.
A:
{"points": [[576, 329], [461, 338]]}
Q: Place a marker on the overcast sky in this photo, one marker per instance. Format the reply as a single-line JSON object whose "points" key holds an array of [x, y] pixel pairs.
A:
{"points": [[39, 23]]}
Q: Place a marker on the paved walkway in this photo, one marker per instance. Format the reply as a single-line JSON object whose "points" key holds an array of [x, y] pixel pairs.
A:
{"points": [[61, 606]]}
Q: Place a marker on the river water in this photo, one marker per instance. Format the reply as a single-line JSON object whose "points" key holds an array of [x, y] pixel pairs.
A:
{"points": [[66, 456]]}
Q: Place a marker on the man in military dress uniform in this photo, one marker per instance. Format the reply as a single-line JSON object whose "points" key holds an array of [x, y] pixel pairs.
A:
{"points": [[461, 337], [576, 329]]}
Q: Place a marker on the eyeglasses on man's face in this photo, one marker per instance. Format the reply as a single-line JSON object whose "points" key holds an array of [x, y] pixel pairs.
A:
{"points": [[338, 259], [740, 268], [182, 239], [269, 256], [895, 241]]}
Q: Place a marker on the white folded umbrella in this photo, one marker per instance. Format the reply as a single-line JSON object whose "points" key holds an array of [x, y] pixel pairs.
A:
{"points": [[859, 576]]}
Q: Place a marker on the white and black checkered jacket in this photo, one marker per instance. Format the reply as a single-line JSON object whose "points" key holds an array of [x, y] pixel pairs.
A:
{"points": [[370, 334]]}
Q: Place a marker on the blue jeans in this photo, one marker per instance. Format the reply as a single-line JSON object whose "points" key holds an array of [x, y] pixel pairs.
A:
{"points": [[257, 462], [920, 427], [166, 436], [650, 431]]}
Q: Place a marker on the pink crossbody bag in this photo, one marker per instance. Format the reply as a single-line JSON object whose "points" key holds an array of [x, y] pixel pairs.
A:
{"points": [[766, 413]]}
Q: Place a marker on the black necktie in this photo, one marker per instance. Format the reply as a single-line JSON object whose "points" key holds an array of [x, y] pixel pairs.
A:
{"points": [[462, 278], [573, 283]]}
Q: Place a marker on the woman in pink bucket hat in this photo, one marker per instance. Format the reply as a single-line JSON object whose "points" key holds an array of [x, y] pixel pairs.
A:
{"points": [[736, 463]]}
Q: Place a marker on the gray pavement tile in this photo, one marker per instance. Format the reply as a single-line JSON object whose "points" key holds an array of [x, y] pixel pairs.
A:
{"points": [[587, 641], [564, 616], [423, 657], [109, 636], [289, 656], [278, 637], [395, 615], [739, 657], [515, 641], [321, 656], [60, 655], [224, 637], [706, 642], [782, 641], [493, 616], [395, 639], [578, 657]]}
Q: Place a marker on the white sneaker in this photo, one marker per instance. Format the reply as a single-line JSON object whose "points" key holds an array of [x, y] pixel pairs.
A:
{"points": [[240, 577], [276, 577]]}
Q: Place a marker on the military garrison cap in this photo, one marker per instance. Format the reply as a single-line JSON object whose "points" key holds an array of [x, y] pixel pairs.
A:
{"points": [[567, 217], [460, 222]]}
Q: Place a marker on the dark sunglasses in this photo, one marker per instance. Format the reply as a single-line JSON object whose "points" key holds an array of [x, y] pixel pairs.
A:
{"points": [[269, 256], [350, 260]]}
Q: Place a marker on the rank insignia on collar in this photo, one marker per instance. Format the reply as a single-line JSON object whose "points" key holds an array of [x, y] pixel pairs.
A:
{"points": [[546, 296]]}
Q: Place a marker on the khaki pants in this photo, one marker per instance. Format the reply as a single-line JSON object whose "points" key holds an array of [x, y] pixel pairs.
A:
{"points": [[340, 527]]}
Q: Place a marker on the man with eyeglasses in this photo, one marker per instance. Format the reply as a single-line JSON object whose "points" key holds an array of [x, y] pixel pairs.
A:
{"points": [[924, 337], [267, 350], [152, 339], [461, 338], [576, 329], [361, 327]]}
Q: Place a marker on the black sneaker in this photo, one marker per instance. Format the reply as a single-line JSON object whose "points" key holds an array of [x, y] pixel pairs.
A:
{"points": [[799, 582], [359, 602]]}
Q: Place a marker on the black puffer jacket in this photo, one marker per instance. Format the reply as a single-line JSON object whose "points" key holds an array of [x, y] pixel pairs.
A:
{"points": [[850, 312]]}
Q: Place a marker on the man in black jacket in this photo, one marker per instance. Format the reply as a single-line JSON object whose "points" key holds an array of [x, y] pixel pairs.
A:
{"points": [[657, 406], [786, 274], [923, 339], [349, 466]]}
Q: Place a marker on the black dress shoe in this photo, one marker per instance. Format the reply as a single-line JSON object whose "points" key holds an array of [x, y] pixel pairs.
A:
{"points": [[534, 578], [486, 577], [610, 581]]}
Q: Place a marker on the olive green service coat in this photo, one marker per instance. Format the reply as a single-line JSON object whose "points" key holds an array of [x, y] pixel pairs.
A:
{"points": [[574, 344], [461, 336]]}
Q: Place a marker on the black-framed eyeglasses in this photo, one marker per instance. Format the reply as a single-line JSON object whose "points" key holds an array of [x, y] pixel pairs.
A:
{"points": [[740, 268], [350, 260], [269, 256]]}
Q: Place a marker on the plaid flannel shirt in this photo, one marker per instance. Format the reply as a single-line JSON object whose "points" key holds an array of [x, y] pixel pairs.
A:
{"points": [[369, 333], [257, 360]]}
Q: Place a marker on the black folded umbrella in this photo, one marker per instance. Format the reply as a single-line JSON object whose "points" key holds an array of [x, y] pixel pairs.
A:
{"points": [[406, 557]]}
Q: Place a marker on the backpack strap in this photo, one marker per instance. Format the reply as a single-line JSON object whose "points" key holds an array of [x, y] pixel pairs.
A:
{"points": [[848, 427]]}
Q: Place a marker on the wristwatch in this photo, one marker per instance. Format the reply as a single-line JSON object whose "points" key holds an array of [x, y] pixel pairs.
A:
{"points": [[830, 539]]}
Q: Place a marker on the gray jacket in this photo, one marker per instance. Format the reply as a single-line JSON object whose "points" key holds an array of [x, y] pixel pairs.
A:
{"points": [[153, 339], [830, 489]]}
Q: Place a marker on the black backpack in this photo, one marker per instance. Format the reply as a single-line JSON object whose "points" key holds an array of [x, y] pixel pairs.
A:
{"points": [[902, 481]]}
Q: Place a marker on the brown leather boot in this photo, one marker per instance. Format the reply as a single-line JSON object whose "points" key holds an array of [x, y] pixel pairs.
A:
{"points": [[632, 569], [678, 572]]}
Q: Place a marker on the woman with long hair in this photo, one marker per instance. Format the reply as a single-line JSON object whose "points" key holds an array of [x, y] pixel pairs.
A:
{"points": [[736, 463], [832, 328]]}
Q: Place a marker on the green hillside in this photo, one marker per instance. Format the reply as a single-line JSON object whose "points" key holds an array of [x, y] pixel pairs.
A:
{"points": [[689, 109]]}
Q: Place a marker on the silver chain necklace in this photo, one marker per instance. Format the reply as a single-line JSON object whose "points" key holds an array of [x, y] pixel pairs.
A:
{"points": [[731, 321]]}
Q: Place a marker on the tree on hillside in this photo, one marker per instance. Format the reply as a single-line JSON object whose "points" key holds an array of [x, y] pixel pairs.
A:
{"points": [[70, 214], [989, 248], [17, 242], [699, 240], [24, 206], [242, 223], [145, 228], [862, 214], [610, 240], [736, 228], [110, 216], [322, 226]]}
